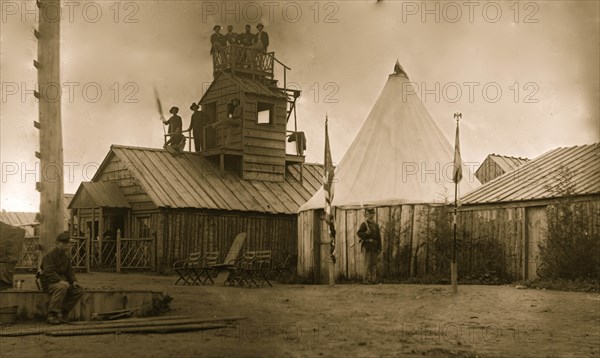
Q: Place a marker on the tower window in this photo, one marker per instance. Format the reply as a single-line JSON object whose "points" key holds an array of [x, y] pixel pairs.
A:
{"points": [[265, 113]]}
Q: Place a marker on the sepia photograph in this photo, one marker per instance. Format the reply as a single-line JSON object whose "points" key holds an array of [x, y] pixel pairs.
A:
{"points": [[357, 178]]}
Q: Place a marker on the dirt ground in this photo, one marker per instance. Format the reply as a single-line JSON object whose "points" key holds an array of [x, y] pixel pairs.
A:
{"points": [[346, 320]]}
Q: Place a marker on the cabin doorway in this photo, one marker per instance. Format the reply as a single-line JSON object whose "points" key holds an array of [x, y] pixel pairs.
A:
{"points": [[536, 226]]}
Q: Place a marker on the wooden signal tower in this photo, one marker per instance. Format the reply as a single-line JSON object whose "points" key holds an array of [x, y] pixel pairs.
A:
{"points": [[254, 143]]}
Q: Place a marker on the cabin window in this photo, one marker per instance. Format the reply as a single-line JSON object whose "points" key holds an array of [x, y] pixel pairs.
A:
{"points": [[143, 227], [210, 109], [265, 113]]}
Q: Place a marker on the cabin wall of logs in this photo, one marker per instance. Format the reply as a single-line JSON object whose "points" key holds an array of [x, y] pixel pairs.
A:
{"points": [[181, 232]]}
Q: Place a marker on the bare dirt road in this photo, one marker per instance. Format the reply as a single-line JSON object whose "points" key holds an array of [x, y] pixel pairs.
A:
{"points": [[346, 321]]}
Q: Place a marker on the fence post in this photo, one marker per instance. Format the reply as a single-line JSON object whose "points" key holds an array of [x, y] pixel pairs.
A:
{"points": [[88, 253], [153, 251], [118, 253]]}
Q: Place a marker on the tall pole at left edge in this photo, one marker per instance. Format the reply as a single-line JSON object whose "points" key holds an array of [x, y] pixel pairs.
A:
{"points": [[50, 125]]}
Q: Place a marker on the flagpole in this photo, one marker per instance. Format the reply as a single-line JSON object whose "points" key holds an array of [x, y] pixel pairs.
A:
{"points": [[329, 215], [453, 267]]}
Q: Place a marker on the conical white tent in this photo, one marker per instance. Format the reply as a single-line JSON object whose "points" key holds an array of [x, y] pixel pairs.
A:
{"points": [[400, 156], [399, 163]]}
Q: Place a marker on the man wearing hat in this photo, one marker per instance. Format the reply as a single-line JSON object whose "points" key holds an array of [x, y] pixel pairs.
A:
{"points": [[197, 126], [247, 38], [58, 278], [217, 41], [175, 123], [261, 39], [370, 240], [231, 37]]}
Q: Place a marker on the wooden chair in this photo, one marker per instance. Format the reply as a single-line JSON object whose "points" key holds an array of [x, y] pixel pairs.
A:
{"points": [[251, 269], [184, 268], [223, 269], [196, 269], [206, 272], [283, 271], [239, 270], [262, 268]]}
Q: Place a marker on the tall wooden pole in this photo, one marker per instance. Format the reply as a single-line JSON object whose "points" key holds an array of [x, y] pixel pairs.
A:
{"points": [[453, 266], [48, 94]]}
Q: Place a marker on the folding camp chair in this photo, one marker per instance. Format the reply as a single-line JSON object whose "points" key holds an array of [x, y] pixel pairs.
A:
{"points": [[185, 268], [261, 268], [283, 271], [196, 269], [239, 271], [223, 269], [205, 272]]}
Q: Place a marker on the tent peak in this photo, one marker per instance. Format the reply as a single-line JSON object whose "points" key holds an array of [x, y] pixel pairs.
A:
{"points": [[398, 70]]}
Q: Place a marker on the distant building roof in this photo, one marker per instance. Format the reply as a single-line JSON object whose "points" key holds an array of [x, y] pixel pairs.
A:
{"points": [[26, 220], [495, 165], [190, 181], [534, 179], [99, 194], [508, 163]]}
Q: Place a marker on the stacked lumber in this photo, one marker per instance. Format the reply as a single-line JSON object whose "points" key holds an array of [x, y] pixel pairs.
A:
{"points": [[133, 325]]}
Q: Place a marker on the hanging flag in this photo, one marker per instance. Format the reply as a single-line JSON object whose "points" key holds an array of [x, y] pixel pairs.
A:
{"points": [[329, 190], [158, 104], [457, 174]]}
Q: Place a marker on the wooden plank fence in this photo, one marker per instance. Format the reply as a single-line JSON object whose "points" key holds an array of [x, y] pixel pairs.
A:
{"points": [[493, 242]]}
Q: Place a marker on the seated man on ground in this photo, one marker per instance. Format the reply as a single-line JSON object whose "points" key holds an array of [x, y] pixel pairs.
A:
{"points": [[59, 280]]}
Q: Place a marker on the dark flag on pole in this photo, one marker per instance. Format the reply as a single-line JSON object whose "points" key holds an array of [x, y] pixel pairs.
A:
{"points": [[158, 104], [328, 188]]}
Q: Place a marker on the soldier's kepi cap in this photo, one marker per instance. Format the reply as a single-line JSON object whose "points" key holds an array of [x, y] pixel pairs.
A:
{"points": [[216, 26], [63, 237], [259, 25], [370, 211]]}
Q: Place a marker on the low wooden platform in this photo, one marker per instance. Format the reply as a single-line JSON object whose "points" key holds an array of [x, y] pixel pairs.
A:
{"points": [[33, 304]]}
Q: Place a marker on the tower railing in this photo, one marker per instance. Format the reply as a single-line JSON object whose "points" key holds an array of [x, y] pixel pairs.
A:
{"points": [[244, 59]]}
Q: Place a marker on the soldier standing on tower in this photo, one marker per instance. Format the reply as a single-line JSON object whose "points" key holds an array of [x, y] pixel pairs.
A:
{"points": [[197, 126], [217, 41], [261, 39], [231, 37], [247, 38]]}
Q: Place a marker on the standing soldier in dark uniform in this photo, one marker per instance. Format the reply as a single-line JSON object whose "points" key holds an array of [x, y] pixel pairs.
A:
{"points": [[217, 41], [261, 39], [197, 127], [247, 38], [370, 240], [231, 37], [175, 123], [59, 280]]}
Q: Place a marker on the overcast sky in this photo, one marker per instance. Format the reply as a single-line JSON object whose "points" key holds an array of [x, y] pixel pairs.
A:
{"points": [[542, 56]]}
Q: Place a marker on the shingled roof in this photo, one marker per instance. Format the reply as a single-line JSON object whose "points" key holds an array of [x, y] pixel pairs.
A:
{"points": [[190, 181], [536, 178]]}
